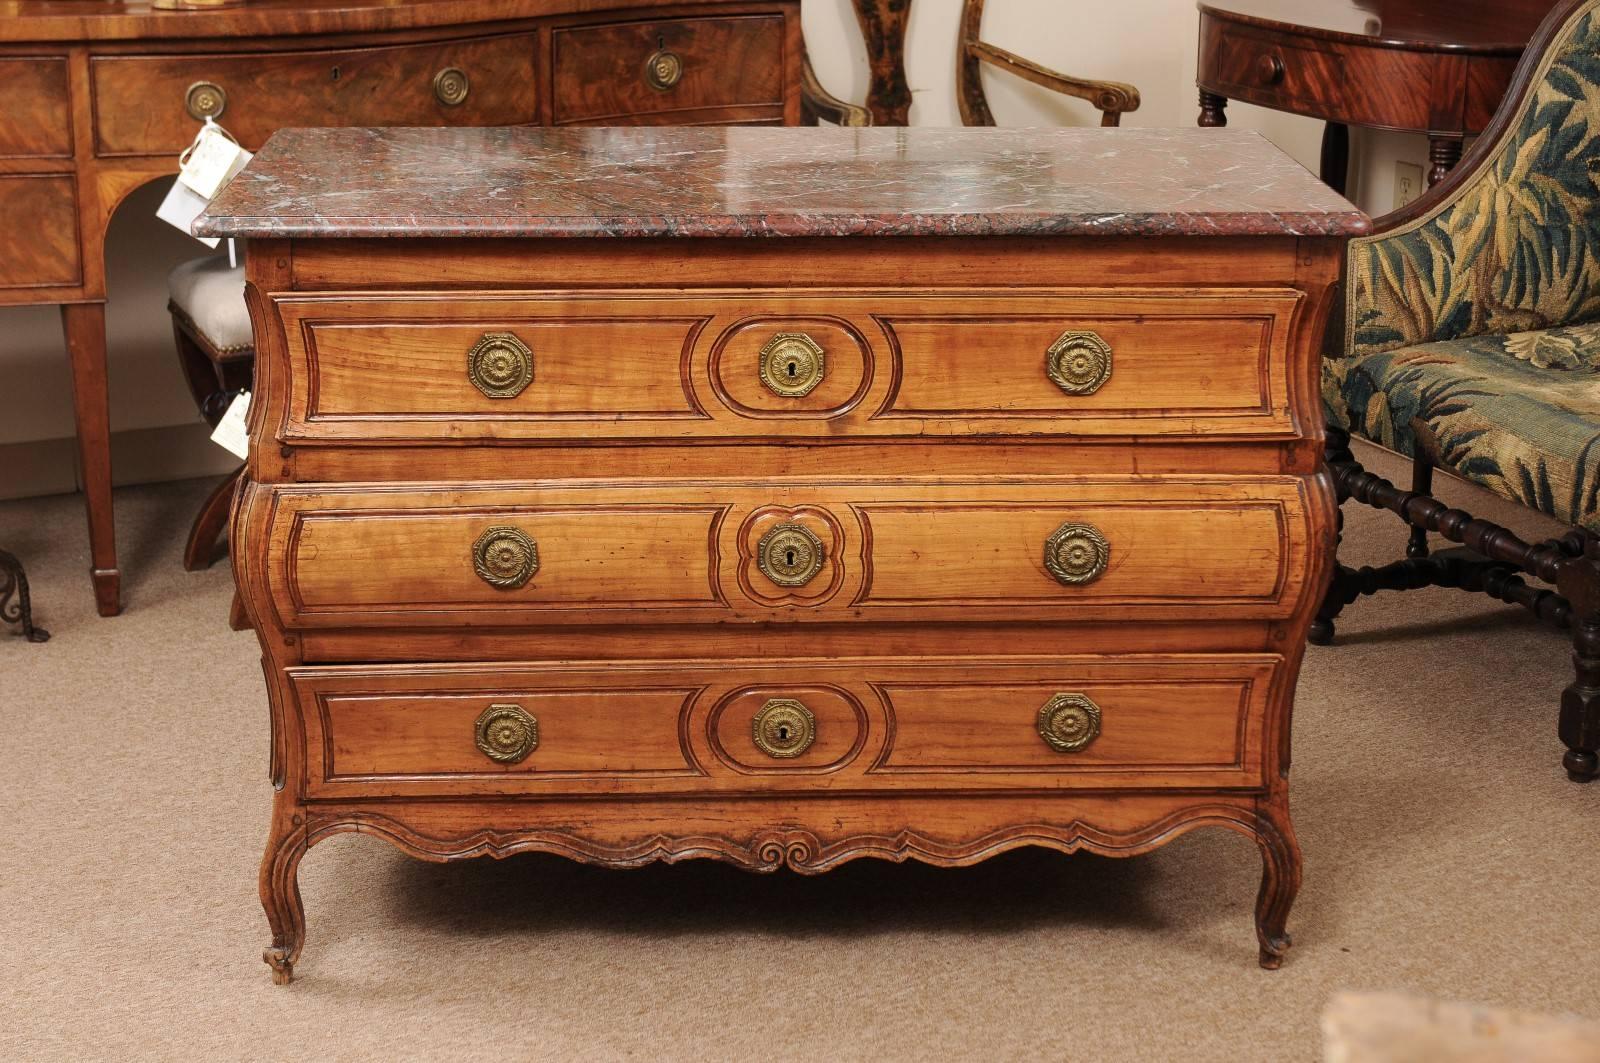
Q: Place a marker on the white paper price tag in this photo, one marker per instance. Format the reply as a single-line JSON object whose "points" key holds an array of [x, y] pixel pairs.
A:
{"points": [[204, 169], [211, 161], [231, 434], [181, 207]]}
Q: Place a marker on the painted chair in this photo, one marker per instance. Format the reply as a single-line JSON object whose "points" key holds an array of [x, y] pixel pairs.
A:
{"points": [[1471, 344]]}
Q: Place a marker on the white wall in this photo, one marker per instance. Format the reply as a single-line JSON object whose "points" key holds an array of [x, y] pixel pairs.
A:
{"points": [[1150, 43]]}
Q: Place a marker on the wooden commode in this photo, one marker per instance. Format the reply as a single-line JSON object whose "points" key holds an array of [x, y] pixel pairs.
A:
{"points": [[783, 496]]}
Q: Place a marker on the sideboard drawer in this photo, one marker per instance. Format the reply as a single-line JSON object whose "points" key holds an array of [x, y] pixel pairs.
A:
{"points": [[148, 105], [805, 725], [826, 365], [672, 71], [38, 122], [786, 551], [39, 217]]}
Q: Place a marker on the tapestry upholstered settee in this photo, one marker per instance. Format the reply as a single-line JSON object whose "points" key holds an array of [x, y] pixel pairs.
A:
{"points": [[1471, 344]]}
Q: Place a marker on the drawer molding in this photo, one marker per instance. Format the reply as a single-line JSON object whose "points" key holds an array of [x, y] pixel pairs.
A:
{"points": [[882, 725]]}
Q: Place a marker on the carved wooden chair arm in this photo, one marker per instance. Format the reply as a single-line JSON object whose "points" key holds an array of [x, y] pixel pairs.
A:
{"points": [[1112, 99], [818, 103]]}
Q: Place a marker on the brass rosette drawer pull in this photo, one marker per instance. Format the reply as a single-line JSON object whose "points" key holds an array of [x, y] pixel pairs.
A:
{"points": [[1076, 554], [451, 86], [1079, 363], [1069, 722], [663, 69], [507, 733], [500, 365], [791, 365], [205, 99], [505, 557], [790, 555], [784, 728]]}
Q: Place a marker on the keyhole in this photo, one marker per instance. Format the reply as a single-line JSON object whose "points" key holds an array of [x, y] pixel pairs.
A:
{"points": [[336, 73], [792, 370], [783, 732], [788, 557]]}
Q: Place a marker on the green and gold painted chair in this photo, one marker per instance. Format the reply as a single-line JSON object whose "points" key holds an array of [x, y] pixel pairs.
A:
{"points": [[1471, 344]]}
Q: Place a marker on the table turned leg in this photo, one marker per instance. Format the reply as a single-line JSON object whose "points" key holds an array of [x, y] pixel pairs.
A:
{"points": [[1335, 168], [85, 327], [15, 604], [1213, 110], [1443, 154]]}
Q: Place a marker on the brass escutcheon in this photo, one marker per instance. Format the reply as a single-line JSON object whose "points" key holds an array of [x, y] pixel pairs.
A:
{"points": [[1078, 362], [791, 364], [205, 99], [500, 365], [505, 557], [790, 555], [663, 69], [784, 728], [1076, 554], [450, 86], [1069, 722], [507, 733]]}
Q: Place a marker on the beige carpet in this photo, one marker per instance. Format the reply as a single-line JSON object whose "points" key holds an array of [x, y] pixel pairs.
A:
{"points": [[1446, 854]]}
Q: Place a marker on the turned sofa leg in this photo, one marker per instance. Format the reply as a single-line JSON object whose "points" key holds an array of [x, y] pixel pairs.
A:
{"points": [[1336, 451], [1580, 704], [1422, 484]]}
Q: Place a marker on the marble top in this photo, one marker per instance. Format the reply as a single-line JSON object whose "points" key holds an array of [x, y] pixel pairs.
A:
{"points": [[824, 181]]}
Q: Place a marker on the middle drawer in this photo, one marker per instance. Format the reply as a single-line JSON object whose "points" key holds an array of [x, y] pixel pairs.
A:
{"points": [[572, 366], [696, 552]]}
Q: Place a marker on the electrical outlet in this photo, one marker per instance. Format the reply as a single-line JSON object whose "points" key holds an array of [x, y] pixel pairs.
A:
{"points": [[1407, 183]]}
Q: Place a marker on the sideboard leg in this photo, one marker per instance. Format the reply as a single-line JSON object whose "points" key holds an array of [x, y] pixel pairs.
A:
{"points": [[1280, 881], [85, 327], [280, 897]]}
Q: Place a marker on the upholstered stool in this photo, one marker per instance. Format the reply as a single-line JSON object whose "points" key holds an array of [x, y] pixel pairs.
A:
{"points": [[216, 349]]}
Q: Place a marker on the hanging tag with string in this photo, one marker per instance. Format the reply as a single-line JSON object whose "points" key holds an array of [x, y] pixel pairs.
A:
{"points": [[204, 168]]}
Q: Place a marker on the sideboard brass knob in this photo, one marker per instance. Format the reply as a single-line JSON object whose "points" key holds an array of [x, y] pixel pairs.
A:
{"points": [[205, 99], [500, 365], [505, 557], [791, 365], [1069, 722], [1078, 362], [450, 86], [784, 728], [1076, 554], [663, 69], [507, 733], [790, 555]]}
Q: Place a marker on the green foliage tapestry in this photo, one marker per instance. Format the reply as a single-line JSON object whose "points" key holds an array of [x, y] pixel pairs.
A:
{"points": [[1471, 323], [1518, 414], [1516, 250]]}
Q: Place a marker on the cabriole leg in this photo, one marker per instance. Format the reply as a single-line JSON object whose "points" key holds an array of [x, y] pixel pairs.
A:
{"points": [[1280, 882], [280, 897]]}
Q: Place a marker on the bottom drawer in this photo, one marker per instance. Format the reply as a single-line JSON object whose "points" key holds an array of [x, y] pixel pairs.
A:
{"points": [[797, 725]]}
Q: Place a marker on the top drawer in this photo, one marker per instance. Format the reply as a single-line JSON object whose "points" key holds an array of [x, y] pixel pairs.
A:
{"points": [[674, 71], [38, 123], [152, 105], [590, 366]]}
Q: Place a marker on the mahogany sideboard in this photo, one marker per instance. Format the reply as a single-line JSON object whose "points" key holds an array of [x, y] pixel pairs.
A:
{"points": [[101, 98], [787, 497], [1438, 67]]}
